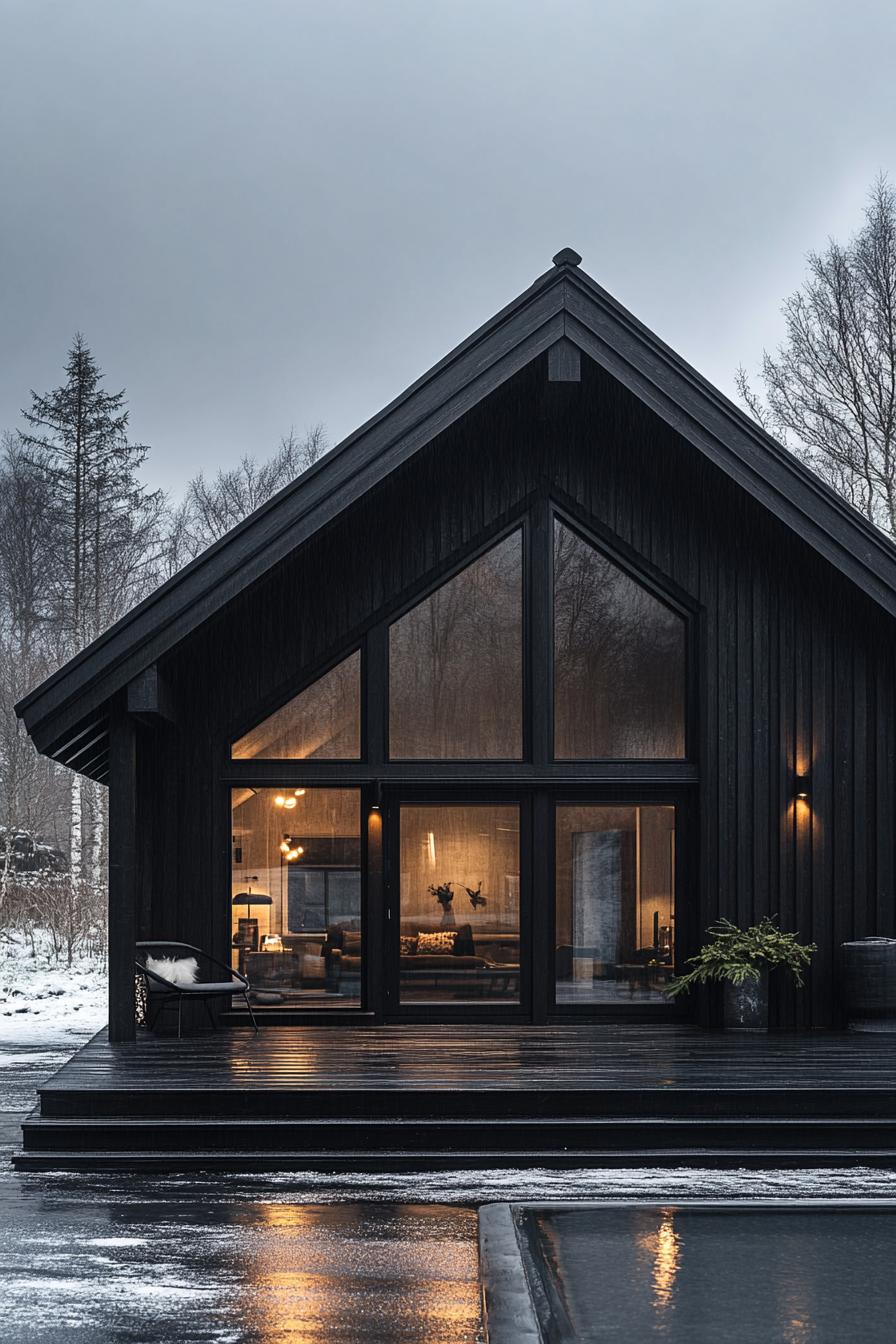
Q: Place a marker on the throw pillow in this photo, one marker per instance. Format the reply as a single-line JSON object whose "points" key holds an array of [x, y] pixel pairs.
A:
{"points": [[442, 942], [407, 944], [176, 970]]}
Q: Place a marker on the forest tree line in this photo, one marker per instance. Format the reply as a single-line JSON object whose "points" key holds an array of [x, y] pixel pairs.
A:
{"points": [[83, 539]]}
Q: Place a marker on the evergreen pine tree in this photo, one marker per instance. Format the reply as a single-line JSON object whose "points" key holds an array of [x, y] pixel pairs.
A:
{"points": [[103, 528], [104, 523]]}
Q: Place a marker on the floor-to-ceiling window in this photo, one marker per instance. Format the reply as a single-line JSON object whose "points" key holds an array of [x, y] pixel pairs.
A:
{"points": [[296, 895], [479, 734]]}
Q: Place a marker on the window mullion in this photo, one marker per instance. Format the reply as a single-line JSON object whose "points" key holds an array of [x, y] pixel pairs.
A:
{"points": [[540, 668]]}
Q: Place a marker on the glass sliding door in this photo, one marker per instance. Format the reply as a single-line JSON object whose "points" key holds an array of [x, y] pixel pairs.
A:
{"points": [[459, 904], [615, 904], [296, 928]]}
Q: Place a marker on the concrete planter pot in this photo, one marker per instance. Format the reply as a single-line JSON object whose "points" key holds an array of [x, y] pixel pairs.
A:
{"points": [[745, 1007], [869, 984]]}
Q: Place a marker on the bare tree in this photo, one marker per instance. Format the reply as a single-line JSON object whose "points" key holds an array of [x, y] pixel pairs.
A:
{"points": [[830, 391], [33, 790], [212, 507]]}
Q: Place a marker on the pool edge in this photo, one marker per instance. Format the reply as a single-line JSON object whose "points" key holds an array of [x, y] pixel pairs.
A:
{"points": [[508, 1312]]}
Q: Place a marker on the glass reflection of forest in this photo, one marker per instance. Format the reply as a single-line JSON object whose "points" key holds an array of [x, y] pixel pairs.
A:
{"points": [[619, 661], [456, 665]]}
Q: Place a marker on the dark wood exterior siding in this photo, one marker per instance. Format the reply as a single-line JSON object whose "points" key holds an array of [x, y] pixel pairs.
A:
{"points": [[793, 663]]}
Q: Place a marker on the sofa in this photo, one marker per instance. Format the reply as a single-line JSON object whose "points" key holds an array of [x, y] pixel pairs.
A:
{"points": [[474, 960]]}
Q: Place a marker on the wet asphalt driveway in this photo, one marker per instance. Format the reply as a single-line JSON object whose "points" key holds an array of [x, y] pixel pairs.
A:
{"points": [[219, 1259]]}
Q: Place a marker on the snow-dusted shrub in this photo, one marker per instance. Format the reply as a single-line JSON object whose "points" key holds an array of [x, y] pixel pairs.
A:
{"points": [[71, 914]]}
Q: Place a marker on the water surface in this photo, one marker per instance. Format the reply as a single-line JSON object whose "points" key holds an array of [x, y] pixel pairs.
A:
{"points": [[738, 1276]]}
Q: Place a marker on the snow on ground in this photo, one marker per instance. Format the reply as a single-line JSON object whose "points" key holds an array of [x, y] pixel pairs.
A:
{"points": [[44, 1002]]}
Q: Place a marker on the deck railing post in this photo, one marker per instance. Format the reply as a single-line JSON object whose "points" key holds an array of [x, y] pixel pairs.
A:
{"points": [[122, 916]]}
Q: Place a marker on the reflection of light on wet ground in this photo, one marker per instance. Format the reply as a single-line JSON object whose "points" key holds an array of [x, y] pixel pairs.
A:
{"points": [[223, 1274], [382, 1273]]}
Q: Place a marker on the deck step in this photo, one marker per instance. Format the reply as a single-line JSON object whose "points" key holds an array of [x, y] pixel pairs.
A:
{"points": [[414, 1097], [469, 1135], [456, 1103], [249, 1162]]}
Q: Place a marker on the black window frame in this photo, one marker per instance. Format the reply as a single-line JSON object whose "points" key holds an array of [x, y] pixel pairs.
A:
{"points": [[537, 776]]}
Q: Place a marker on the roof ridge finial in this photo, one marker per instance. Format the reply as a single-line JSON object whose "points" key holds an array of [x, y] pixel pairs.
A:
{"points": [[567, 257]]}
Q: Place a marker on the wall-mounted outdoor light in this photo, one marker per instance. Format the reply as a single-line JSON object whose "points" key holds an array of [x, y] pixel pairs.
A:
{"points": [[801, 786]]}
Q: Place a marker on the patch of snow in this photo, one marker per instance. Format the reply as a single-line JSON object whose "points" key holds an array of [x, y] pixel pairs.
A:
{"points": [[116, 1241], [655, 1183], [470, 1187], [43, 1000]]}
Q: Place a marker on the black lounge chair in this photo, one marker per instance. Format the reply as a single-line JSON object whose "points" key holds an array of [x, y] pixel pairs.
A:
{"points": [[162, 993]]}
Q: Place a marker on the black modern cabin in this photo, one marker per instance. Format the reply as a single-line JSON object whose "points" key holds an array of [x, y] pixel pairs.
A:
{"points": [[487, 716]]}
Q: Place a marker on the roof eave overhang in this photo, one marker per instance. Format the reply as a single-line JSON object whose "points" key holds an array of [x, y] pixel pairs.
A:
{"points": [[464, 378], [563, 302]]}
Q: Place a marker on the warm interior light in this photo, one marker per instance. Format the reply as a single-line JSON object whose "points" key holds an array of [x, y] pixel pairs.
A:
{"points": [[284, 846], [289, 803], [279, 801], [300, 793]]}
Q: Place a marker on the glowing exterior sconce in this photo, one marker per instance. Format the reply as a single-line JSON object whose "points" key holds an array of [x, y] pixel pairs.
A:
{"points": [[801, 786]]}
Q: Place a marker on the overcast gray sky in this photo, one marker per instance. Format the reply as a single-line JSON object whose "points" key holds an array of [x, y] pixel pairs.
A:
{"points": [[275, 212]]}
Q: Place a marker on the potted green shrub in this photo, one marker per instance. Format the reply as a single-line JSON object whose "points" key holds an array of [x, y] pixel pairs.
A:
{"points": [[741, 959]]}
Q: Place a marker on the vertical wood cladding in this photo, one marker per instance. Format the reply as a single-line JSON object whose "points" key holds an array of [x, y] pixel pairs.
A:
{"points": [[795, 667]]}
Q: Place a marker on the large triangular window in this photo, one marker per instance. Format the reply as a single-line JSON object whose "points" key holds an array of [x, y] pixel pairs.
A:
{"points": [[456, 665], [322, 722], [619, 661]]}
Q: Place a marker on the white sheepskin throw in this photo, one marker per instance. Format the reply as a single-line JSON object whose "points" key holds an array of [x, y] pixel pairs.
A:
{"points": [[177, 970]]}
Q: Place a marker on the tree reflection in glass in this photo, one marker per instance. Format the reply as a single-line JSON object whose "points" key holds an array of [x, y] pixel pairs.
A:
{"points": [[619, 661], [455, 665]]}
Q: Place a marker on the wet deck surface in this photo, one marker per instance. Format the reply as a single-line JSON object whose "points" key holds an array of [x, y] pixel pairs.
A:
{"points": [[503, 1058]]}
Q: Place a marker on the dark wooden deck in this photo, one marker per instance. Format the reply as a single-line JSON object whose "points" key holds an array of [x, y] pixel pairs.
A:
{"points": [[463, 1094]]}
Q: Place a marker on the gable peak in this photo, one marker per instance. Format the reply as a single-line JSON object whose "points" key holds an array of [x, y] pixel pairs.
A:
{"points": [[567, 257]]}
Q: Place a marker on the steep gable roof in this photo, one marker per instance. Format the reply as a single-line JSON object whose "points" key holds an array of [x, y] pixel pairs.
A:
{"points": [[64, 715]]}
